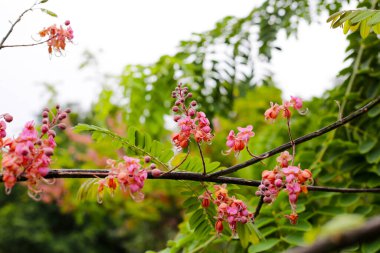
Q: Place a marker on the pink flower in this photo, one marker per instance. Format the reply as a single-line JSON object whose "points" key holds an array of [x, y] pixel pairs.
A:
{"points": [[245, 133], [291, 169], [284, 159], [272, 112], [3, 126], [127, 175], [238, 142], [296, 102]]}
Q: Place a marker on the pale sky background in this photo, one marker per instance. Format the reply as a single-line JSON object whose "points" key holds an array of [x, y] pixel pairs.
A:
{"points": [[131, 32]]}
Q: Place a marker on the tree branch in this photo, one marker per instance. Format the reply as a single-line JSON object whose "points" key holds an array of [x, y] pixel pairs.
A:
{"points": [[370, 231], [28, 45], [299, 140], [189, 176], [14, 24]]}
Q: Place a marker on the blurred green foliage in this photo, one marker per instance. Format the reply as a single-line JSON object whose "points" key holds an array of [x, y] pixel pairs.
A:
{"points": [[171, 218]]}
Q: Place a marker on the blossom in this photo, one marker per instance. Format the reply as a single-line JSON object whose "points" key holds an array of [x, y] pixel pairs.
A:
{"points": [[58, 37], [30, 153], [296, 102], [128, 175], [284, 159], [239, 141], [192, 123], [229, 209], [290, 178], [3, 127], [272, 112], [245, 133]]}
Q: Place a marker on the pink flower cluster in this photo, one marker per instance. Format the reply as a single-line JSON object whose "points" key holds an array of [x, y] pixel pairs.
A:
{"points": [[58, 36], [291, 178], [3, 126], [30, 153], [127, 174], [275, 109], [230, 209], [239, 141], [190, 122]]}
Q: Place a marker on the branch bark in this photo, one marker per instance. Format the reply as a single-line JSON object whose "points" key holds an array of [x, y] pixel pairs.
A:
{"points": [[370, 231], [299, 140], [189, 176]]}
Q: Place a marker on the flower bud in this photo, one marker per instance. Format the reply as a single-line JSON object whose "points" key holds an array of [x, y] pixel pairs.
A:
{"points": [[153, 166], [176, 118], [205, 202], [219, 226], [45, 121], [7, 117], [193, 103], [44, 129], [62, 116], [175, 109], [45, 114], [190, 95], [147, 159], [67, 22], [278, 183], [156, 172], [48, 151], [267, 200], [62, 126], [68, 110], [51, 133], [191, 112]]}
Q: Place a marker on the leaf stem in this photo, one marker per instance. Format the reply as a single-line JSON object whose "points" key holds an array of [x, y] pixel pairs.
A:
{"points": [[203, 160]]}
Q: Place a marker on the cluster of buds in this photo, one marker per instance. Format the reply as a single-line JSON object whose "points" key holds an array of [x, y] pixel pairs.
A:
{"points": [[275, 109], [7, 118], [30, 153], [190, 121], [229, 209], [58, 36], [127, 174], [239, 141], [284, 176]]}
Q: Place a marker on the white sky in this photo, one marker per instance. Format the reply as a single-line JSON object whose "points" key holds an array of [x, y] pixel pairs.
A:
{"points": [[139, 32]]}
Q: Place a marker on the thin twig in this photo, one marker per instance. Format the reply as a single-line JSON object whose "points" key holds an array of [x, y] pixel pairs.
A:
{"points": [[299, 140], [370, 231], [14, 24], [176, 167], [258, 208], [291, 140], [203, 159], [29, 45], [254, 156], [188, 176]]}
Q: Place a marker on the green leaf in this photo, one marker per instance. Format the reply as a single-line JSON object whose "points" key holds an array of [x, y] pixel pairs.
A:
{"points": [[136, 141], [372, 247], [263, 245], [346, 27], [366, 145], [43, 1], [196, 218], [364, 29], [374, 111], [294, 239], [243, 233], [335, 15], [49, 12], [374, 155], [348, 200], [375, 19], [364, 14], [376, 28]]}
